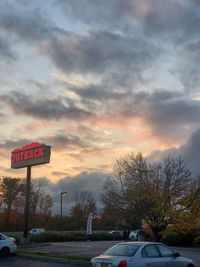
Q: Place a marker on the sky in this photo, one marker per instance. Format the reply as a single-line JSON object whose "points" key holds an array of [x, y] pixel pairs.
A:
{"points": [[97, 79]]}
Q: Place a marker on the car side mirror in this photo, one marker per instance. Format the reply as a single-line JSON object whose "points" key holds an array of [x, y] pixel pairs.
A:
{"points": [[176, 254]]}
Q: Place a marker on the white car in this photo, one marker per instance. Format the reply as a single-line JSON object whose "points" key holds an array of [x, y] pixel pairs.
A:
{"points": [[134, 235], [37, 231], [141, 254], [7, 245]]}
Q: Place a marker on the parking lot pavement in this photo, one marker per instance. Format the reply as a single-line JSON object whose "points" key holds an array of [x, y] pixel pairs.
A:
{"points": [[192, 253], [19, 262], [86, 248], [94, 248]]}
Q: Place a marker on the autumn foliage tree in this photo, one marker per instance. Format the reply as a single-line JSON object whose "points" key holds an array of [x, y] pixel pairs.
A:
{"points": [[11, 190], [160, 194], [12, 201]]}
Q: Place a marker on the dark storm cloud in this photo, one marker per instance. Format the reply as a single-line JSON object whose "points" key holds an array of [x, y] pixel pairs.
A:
{"points": [[101, 51], [91, 182], [190, 152], [43, 108]]}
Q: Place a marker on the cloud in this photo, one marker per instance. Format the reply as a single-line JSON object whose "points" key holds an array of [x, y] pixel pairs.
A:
{"points": [[189, 151], [43, 108], [5, 50], [91, 182], [167, 17], [28, 25], [61, 141], [169, 114], [58, 173], [10, 144], [98, 52], [103, 13], [187, 68], [99, 92], [157, 17]]}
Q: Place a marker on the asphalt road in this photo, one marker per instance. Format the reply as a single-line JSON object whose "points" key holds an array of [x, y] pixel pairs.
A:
{"points": [[20, 262], [94, 248]]}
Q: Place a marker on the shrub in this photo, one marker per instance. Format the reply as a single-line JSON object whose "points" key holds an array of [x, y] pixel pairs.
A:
{"points": [[197, 241], [179, 237], [104, 236], [71, 236], [58, 237]]}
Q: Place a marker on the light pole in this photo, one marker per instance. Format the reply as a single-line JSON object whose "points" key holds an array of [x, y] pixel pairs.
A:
{"points": [[61, 195]]}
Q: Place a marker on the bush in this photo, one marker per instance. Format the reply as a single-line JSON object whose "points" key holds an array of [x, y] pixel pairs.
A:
{"points": [[15, 235], [58, 237], [105, 236], [180, 237], [197, 241], [71, 236]]}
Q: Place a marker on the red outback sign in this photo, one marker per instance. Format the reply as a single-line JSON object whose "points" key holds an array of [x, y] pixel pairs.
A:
{"points": [[29, 155]]}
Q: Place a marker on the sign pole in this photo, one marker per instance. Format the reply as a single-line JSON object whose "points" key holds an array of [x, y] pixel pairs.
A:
{"points": [[26, 209], [27, 156]]}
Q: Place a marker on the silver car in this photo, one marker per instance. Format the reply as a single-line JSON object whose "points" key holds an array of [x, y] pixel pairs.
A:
{"points": [[141, 254]]}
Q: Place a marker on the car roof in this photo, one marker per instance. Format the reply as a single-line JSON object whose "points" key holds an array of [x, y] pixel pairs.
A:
{"points": [[139, 243]]}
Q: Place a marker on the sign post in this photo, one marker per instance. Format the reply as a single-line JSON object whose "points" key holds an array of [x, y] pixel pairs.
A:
{"points": [[27, 201], [28, 156]]}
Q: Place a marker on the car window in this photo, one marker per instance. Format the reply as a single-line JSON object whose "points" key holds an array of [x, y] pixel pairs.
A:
{"points": [[150, 251], [122, 250], [165, 251], [2, 237]]}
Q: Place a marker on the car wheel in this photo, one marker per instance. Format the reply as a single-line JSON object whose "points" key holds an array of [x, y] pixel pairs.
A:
{"points": [[5, 252], [190, 265]]}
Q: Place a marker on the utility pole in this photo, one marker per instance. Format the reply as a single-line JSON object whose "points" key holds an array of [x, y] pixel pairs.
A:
{"points": [[61, 195]]}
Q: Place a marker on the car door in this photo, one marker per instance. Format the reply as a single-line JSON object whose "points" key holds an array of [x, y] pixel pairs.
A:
{"points": [[168, 256], [152, 257], [2, 241]]}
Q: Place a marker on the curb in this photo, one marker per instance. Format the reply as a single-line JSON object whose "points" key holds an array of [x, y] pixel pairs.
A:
{"points": [[34, 245], [53, 259]]}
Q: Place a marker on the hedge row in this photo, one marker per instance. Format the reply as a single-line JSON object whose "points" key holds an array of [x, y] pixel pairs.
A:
{"points": [[59, 237], [181, 237], [172, 237]]}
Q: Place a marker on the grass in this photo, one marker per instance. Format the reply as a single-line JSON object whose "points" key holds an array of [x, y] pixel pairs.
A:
{"points": [[86, 259]]}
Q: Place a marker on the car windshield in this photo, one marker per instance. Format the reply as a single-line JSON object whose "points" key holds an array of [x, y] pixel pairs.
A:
{"points": [[122, 250]]}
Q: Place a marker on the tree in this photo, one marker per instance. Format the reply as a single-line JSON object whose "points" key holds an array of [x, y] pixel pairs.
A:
{"points": [[40, 201], [161, 194], [45, 205], [84, 204], [11, 189]]}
